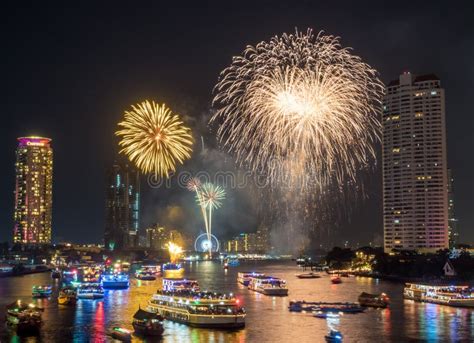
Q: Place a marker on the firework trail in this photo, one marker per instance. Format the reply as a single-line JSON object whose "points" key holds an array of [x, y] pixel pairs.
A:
{"points": [[300, 109], [209, 197], [194, 185], [154, 138]]}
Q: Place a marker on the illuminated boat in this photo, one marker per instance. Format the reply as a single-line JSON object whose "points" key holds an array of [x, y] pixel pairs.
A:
{"points": [[459, 296], [41, 291], [115, 281], [374, 300], [145, 275], [69, 275], [67, 296], [244, 277], [147, 323], [333, 336], [172, 267], [90, 291], [268, 285], [181, 301], [23, 318]]}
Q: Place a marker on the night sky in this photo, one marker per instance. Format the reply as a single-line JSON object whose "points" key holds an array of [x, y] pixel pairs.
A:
{"points": [[69, 73]]}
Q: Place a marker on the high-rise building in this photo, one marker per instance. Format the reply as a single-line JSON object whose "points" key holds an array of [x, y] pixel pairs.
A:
{"points": [[452, 220], [122, 207], [33, 191], [157, 237], [415, 201]]}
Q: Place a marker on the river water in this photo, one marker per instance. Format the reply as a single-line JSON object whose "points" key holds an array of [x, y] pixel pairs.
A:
{"points": [[268, 318]]}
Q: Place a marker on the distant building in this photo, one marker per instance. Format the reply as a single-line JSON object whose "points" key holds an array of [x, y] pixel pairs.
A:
{"points": [[250, 243], [33, 191], [452, 220], [122, 207], [415, 201], [157, 238]]}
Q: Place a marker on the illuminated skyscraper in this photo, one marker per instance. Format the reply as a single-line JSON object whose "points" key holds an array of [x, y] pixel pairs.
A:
{"points": [[415, 200], [452, 220], [33, 191], [122, 207]]}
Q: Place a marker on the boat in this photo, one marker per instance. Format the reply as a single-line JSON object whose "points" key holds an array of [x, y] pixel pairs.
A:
{"points": [[234, 262], [374, 300], [145, 275], [333, 336], [458, 296], [67, 296], [147, 323], [90, 291], [315, 306], [268, 285], [112, 280], [121, 334], [180, 300], [173, 267], [325, 315], [335, 279], [23, 318], [69, 275], [244, 277], [43, 291], [56, 274], [310, 275]]}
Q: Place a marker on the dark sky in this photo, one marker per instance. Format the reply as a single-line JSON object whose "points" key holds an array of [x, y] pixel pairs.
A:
{"points": [[69, 73]]}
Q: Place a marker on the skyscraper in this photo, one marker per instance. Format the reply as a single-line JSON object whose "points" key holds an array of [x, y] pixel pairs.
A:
{"points": [[452, 220], [33, 191], [122, 207], [415, 201]]}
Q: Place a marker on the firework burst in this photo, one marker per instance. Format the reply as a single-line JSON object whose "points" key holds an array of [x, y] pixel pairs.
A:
{"points": [[299, 108], [154, 138]]}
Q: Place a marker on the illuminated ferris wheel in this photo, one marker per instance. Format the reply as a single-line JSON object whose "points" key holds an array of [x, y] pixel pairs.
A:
{"points": [[202, 243]]}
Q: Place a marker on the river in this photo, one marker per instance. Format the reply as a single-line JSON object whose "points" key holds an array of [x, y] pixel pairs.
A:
{"points": [[268, 318]]}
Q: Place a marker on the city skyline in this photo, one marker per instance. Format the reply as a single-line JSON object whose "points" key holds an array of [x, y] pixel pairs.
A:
{"points": [[94, 149]]}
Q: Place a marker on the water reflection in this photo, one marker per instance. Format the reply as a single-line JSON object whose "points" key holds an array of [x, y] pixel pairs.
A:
{"points": [[268, 319]]}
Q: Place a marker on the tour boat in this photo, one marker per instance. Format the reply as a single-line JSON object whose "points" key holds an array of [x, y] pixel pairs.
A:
{"points": [[374, 300], [142, 274], [114, 280], [459, 296], [172, 267], [268, 285], [335, 279], [320, 306], [310, 275], [67, 296], [147, 323], [69, 275], [180, 300], [244, 277], [41, 291], [90, 291], [23, 318]]}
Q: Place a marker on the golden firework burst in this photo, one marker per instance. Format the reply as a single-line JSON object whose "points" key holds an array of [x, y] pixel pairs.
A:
{"points": [[154, 138]]}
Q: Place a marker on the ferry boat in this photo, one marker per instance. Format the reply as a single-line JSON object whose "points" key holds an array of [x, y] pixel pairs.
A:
{"points": [[244, 277], [90, 291], [67, 296], [181, 301], [374, 300], [459, 296], [147, 323], [41, 291], [115, 281], [23, 318], [268, 285]]}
